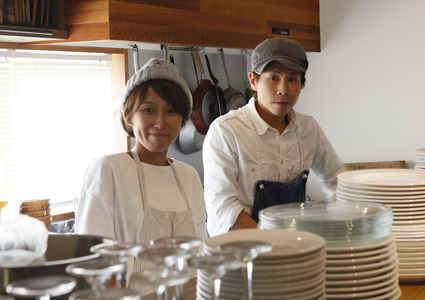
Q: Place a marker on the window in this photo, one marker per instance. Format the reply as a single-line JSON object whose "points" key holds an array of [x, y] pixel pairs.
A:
{"points": [[56, 115]]}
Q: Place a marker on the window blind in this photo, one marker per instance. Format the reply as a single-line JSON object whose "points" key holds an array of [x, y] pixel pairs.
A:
{"points": [[56, 116]]}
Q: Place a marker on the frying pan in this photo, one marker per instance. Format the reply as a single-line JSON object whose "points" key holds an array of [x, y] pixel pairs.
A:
{"points": [[206, 107], [190, 140], [234, 98], [218, 89], [248, 90]]}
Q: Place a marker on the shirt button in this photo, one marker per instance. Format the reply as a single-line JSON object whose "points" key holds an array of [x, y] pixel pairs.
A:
{"points": [[281, 162], [252, 169]]}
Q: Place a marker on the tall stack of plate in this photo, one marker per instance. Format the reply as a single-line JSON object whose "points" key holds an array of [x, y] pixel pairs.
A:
{"points": [[294, 269], [420, 159], [404, 191], [361, 261]]}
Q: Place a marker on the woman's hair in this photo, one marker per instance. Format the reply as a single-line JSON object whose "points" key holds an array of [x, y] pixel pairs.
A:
{"points": [[167, 90]]}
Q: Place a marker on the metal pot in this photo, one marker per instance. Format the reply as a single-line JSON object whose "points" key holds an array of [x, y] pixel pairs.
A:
{"points": [[62, 250]]}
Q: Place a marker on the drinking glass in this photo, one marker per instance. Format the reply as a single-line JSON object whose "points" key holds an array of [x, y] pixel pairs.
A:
{"points": [[106, 294], [96, 273], [217, 266], [182, 242], [42, 288], [118, 253], [161, 279], [246, 251]]}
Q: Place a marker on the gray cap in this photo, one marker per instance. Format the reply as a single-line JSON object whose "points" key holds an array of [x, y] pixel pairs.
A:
{"points": [[154, 69], [288, 52]]}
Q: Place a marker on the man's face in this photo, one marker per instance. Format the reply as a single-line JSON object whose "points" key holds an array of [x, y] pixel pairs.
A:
{"points": [[278, 89]]}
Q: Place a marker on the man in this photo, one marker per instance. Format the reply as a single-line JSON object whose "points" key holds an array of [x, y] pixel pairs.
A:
{"points": [[261, 154]]}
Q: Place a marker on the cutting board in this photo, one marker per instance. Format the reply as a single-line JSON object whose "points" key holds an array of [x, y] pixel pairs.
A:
{"points": [[398, 164]]}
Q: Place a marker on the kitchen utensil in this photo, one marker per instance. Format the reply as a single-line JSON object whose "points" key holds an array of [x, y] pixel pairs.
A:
{"points": [[234, 98], [206, 104], [190, 140], [219, 91], [248, 90], [62, 250], [42, 288]]}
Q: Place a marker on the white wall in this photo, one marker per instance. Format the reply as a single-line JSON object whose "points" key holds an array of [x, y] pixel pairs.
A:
{"points": [[367, 85]]}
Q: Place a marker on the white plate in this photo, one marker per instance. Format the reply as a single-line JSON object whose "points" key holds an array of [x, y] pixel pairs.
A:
{"points": [[265, 288], [365, 274], [410, 259], [407, 218], [362, 288], [408, 213], [409, 249], [362, 267], [360, 255], [350, 261], [384, 178], [409, 222], [380, 191], [286, 243], [374, 246], [361, 282], [363, 295], [352, 193]]}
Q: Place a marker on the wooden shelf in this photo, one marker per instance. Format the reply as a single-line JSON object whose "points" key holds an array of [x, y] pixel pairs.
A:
{"points": [[206, 23], [35, 20]]}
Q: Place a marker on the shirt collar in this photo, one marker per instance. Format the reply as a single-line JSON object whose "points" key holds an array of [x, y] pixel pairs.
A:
{"points": [[261, 126]]}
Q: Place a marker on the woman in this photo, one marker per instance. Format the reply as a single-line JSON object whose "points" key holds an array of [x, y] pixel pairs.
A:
{"points": [[141, 195]]}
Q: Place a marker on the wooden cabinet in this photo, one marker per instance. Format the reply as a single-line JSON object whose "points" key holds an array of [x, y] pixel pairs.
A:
{"points": [[32, 20], [210, 23]]}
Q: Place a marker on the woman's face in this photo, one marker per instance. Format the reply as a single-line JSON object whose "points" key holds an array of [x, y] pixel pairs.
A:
{"points": [[156, 124]]}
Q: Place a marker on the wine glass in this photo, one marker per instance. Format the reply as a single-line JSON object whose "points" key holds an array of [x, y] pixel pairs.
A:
{"points": [[42, 288], [106, 294], [96, 273], [118, 253], [182, 242], [161, 279], [217, 266], [164, 257], [247, 251]]}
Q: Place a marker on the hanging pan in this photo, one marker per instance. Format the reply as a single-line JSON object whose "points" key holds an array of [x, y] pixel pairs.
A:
{"points": [[206, 103], [248, 90], [190, 140], [219, 91], [234, 98]]}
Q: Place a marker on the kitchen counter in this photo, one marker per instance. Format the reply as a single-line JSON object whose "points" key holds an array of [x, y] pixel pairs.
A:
{"points": [[410, 291]]}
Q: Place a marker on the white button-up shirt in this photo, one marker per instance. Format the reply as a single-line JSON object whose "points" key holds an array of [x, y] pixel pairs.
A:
{"points": [[241, 148]]}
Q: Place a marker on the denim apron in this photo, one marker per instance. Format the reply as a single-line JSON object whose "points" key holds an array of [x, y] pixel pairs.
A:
{"points": [[269, 193]]}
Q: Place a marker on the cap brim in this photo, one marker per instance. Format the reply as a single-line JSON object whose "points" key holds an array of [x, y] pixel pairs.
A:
{"points": [[287, 62]]}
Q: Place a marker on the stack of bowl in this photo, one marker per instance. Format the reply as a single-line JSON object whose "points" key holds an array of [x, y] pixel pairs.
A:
{"points": [[39, 209]]}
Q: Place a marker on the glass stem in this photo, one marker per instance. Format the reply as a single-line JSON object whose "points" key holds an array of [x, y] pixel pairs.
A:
{"points": [[244, 270], [160, 292], [249, 268], [217, 284], [178, 292], [45, 297]]}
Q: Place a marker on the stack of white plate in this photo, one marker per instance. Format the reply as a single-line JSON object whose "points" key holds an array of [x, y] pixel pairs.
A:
{"points": [[420, 159], [363, 272], [404, 191], [361, 261], [294, 269]]}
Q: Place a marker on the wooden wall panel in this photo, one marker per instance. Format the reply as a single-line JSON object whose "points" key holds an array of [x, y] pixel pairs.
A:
{"points": [[191, 5], [159, 16], [291, 11], [87, 11], [181, 36]]}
